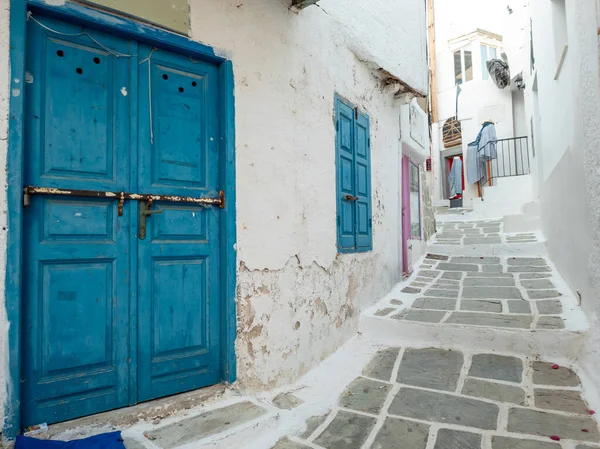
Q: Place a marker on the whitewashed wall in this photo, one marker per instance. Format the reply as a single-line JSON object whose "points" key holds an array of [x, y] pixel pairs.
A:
{"points": [[298, 300], [566, 117]]}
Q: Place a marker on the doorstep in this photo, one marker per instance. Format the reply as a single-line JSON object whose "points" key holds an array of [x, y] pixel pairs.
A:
{"points": [[128, 416]]}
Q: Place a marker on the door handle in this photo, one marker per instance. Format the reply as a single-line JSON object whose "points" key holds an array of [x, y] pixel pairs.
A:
{"points": [[350, 197], [144, 213]]}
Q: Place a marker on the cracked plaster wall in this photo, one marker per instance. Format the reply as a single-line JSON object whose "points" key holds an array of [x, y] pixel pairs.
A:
{"points": [[298, 300]]}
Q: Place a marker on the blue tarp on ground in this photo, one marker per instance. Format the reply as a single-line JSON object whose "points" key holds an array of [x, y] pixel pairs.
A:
{"points": [[111, 440]]}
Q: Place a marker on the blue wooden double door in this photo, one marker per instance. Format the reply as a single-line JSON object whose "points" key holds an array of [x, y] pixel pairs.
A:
{"points": [[109, 318]]}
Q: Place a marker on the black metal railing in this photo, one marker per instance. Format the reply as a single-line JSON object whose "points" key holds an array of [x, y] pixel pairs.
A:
{"points": [[502, 158]]}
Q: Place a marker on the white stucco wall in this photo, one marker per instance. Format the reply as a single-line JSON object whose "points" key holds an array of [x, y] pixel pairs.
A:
{"points": [[567, 163], [298, 300]]}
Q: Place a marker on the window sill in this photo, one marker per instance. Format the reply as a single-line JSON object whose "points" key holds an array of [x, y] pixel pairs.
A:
{"points": [[354, 250], [561, 61]]}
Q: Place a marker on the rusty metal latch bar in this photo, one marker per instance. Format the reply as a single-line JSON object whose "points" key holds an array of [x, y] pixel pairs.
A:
{"points": [[122, 196]]}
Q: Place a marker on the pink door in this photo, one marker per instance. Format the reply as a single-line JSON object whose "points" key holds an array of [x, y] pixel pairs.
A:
{"points": [[405, 211]]}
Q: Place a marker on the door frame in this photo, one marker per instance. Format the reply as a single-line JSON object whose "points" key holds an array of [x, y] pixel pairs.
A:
{"points": [[406, 215], [142, 32]]}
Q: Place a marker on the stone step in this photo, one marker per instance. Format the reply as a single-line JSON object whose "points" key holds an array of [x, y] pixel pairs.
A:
{"points": [[545, 342]]}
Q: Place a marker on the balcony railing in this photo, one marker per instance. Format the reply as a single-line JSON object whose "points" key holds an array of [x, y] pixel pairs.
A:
{"points": [[502, 158]]}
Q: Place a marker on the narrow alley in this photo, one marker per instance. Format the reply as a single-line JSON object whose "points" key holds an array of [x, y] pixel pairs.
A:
{"points": [[300, 224], [474, 351]]}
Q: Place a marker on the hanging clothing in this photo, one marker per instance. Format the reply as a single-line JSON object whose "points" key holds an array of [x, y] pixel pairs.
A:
{"points": [[487, 142], [455, 177], [471, 168], [499, 72], [482, 149]]}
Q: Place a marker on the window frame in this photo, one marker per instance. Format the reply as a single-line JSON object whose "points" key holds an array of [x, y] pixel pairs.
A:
{"points": [[463, 69], [484, 72], [359, 120], [411, 184]]}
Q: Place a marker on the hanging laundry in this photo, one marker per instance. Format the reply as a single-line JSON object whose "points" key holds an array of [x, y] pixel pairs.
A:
{"points": [[455, 178], [481, 150], [499, 72]]}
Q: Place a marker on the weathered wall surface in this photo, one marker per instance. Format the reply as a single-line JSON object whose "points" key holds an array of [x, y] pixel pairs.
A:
{"points": [[567, 163], [172, 14], [298, 300]]}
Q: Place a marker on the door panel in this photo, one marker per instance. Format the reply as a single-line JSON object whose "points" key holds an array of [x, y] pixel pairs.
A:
{"points": [[346, 167], [363, 183], [76, 292], [92, 341], [179, 305]]}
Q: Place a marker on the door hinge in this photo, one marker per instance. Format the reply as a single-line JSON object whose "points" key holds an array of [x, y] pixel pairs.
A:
{"points": [[356, 112], [337, 219], [370, 222], [337, 125]]}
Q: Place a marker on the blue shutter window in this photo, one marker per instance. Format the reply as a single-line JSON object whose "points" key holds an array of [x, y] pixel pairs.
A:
{"points": [[353, 163]]}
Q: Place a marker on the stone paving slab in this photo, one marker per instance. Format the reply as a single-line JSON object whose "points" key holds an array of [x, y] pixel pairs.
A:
{"points": [[549, 307], [437, 293], [561, 400], [435, 303], [398, 433], [543, 374], [346, 431], [528, 269], [534, 275], [491, 292], [446, 286], [456, 439], [499, 367], [384, 312], [541, 294], [492, 268], [411, 290], [286, 401], [287, 444], [534, 422], [382, 365], [481, 306], [528, 261], [489, 282], [537, 284], [490, 275], [313, 423], [519, 306], [428, 273], [489, 319], [476, 260], [206, 424], [364, 395], [550, 322], [483, 241], [444, 408], [457, 267], [437, 369], [455, 275], [499, 442], [424, 316], [494, 391]]}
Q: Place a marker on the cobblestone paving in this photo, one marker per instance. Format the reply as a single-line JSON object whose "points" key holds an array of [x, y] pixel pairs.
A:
{"points": [[508, 292], [479, 233], [443, 399]]}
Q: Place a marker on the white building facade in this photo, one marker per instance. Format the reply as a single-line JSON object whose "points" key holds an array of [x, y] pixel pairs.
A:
{"points": [[561, 76], [303, 242]]}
